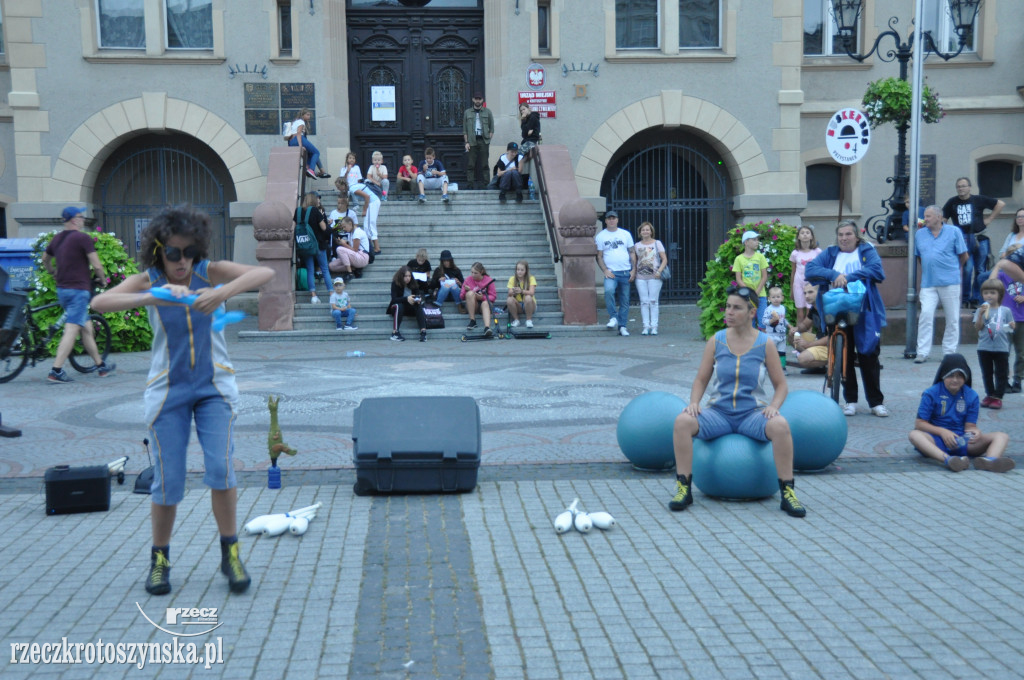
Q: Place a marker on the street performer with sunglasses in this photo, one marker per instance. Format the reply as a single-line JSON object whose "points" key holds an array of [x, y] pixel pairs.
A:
{"points": [[190, 376], [739, 352]]}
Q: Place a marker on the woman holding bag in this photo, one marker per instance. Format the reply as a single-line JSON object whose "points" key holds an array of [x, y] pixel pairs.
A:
{"points": [[650, 263]]}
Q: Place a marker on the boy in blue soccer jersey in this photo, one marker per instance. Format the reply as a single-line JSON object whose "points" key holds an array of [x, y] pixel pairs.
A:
{"points": [[946, 428]]}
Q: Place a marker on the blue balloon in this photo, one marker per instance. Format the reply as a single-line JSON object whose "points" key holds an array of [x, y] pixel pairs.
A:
{"points": [[734, 466], [645, 430], [819, 429]]}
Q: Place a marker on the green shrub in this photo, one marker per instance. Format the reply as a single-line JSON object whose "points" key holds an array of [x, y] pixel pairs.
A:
{"points": [[130, 330], [777, 243]]}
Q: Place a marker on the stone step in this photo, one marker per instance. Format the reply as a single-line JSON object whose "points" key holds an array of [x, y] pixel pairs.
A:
{"points": [[453, 333]]}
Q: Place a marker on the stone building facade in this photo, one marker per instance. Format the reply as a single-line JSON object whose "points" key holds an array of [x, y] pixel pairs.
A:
{"points": [[694, 114]]}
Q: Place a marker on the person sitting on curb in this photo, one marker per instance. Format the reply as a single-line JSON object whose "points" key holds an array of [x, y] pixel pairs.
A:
{"points": [[946, 428], [809, 337], [508, 167], [739, 352], [446, 283]]}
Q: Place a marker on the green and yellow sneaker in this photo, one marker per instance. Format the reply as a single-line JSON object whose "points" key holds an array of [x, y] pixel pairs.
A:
{"points": [[232, 567], [790, 503], [683, 496], [159, 581]]}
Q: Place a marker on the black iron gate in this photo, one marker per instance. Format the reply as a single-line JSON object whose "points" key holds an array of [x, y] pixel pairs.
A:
{"points": [[685, 195], [138, 183]]}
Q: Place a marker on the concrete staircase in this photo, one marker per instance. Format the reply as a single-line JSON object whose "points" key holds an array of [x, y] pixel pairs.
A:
{"points": [[475, 227]]}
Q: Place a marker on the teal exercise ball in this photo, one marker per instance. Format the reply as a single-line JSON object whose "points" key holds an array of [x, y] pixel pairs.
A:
{"points": [[734, 466], [818, 426], [645, 430]]}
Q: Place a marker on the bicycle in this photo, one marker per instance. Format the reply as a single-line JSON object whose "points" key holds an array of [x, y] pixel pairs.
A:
{"points": [[28, 342], [835, 325]]}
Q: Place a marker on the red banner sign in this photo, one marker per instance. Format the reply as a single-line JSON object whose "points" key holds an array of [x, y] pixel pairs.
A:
{"points": [[541, 102]]}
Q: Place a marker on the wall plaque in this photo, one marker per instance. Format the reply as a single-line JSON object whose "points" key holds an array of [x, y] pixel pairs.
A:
{"points": [[926, 181], [262, 122], [298, 95], [262, 96]]}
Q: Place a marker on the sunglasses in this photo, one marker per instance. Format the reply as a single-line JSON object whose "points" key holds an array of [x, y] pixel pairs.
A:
{"points": [[175, 254], [742, 291]]}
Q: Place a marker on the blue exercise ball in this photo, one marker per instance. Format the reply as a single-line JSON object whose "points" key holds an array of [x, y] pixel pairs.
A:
{"points": [[818, 426], [645, 430], [734, 466]]}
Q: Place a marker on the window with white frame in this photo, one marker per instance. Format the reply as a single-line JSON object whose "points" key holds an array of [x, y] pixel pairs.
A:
{"points": [[821, 35], [122, 24], [189, 24], [700, 24], [544, 27], [636, 24], [939, 22], [284, 28]]}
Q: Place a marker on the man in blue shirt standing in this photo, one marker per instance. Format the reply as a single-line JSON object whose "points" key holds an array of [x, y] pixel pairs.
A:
{"points": [[941, 252]]}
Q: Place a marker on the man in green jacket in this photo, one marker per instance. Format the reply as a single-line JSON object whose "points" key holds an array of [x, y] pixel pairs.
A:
{"points": [[477, 130]]}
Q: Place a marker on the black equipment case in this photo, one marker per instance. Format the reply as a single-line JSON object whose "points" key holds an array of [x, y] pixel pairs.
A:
{"points": [[416, 445], [77, 489]]}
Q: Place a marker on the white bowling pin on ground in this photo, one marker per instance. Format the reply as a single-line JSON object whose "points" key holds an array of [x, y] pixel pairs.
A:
{"points": [[563, 522], [602, 520], [298, 526], [277, 525], [257, 525], [582, 522]]}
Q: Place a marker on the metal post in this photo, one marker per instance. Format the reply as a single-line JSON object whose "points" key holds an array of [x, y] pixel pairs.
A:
{"points": [[910, 350]]}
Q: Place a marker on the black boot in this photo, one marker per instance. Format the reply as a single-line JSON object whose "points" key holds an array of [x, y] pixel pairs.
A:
{"points": [[159, 580], [790, 504], [232, 567], [684, 494]]}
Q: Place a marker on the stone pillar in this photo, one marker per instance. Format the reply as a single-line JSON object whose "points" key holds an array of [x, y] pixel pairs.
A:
{"points": [[275, 232], [577, 224]]}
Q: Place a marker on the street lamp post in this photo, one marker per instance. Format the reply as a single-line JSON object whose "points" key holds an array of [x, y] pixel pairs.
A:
{"points": [[889, 223], [847, 14]]}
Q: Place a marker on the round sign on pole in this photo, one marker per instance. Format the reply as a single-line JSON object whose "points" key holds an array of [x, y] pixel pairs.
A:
{"points": [[848, 136]]}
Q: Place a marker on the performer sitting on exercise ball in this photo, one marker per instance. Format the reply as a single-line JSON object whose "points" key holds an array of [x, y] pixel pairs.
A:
{"points": [[739, 351]]}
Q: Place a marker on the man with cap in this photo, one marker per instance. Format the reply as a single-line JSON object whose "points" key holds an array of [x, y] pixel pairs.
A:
{"points": [[477, 130], [617, 259], [508, 169], [75, 253], [946, 428]]}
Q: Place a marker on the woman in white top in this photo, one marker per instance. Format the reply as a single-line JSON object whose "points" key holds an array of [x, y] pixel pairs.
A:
{"points": [[650, 261], [350, 254], [299, 138], [1016, 235]]}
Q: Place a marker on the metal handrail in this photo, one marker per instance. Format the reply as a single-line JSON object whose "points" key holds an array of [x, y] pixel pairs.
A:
{"points": [[545, 202]]}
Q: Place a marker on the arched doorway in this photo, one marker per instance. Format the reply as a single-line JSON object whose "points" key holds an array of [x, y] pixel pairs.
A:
{"points": [[678, 183], [151, 171]]}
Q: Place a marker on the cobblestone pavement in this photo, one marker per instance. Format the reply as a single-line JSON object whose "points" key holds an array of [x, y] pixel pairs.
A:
{"points": [[900, 569]]}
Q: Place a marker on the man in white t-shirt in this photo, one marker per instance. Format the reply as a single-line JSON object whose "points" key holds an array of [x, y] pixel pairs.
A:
{"points": [[617, 260]]}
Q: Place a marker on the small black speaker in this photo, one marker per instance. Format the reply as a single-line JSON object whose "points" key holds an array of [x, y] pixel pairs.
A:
{"points": [[77, 489]]}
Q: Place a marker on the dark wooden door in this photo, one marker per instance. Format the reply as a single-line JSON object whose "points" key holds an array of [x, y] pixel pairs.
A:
{"points": [[434, 60]]}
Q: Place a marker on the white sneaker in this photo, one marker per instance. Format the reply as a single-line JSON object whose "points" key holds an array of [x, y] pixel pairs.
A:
{"points": [[881, 411], [612, 323], [645, 331], [654, 330], [529, 324], [314, 300], [920, 358], [623, 332], [850, 410], [515, 324]]}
